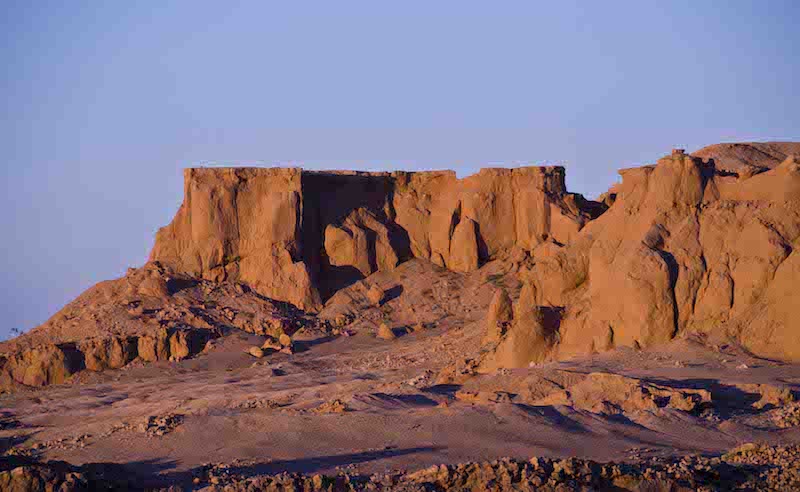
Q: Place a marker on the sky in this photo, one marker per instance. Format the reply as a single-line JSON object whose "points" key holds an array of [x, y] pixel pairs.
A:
{"points": [[104, 104]]}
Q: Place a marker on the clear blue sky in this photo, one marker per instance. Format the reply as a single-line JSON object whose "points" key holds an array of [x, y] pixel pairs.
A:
{"points": [[105, 102]]}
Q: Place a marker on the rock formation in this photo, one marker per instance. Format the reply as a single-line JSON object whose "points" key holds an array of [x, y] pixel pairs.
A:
{"points": [[683, 249], [299, 236], [242, 224], [499, 316], [54, 363], [448, 304], [463, 255], [151, 314], [529, 337], [687, 245]]}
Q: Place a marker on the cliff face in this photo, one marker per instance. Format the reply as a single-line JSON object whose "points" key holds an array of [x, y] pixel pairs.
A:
{"points": [[243, 224], [686, 246], [300, 236], [680, 248], [684, 249]]}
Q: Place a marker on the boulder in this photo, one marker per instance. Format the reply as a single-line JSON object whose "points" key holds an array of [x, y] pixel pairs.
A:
{"points": [[385, 333], [271, 344]]}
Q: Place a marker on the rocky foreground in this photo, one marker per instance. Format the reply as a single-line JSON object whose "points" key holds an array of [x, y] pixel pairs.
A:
{"points": [[366, 331], [748, 467]]}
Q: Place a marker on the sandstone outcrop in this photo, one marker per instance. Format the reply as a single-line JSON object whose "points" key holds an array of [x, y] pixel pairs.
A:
{"points": [[55, 363], [38, 366], [361, 242], [684, 249], [108, 353], [529, 338], [612, 393], [500, 314], [463, 256], [154, 346], [242, 224], [683, 246], [375, 295], [300, 236]]}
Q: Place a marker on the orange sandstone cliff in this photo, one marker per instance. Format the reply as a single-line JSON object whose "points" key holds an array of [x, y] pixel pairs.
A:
{"points": [[695, 245], [299, 236]]}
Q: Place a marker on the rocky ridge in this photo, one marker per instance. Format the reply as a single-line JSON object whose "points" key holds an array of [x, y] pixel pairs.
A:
{"points": [[152, 314]]}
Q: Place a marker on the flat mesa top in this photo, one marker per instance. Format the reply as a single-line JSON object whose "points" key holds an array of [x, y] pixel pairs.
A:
{"points": [[275, 170]]}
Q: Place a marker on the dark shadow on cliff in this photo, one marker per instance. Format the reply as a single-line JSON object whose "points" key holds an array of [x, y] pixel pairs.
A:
{"points": [[175, 285], [674, 269], [483, 248], [392, 293], [328, 199], [334, 278], [551, 319]]}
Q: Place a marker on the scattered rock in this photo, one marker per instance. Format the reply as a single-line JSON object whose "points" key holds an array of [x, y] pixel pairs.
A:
{"points": [[333, 406], [160, 425], [256, 352], [612, 393], [272, 344], [786, 416], [257, 403], [385, 333]]}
